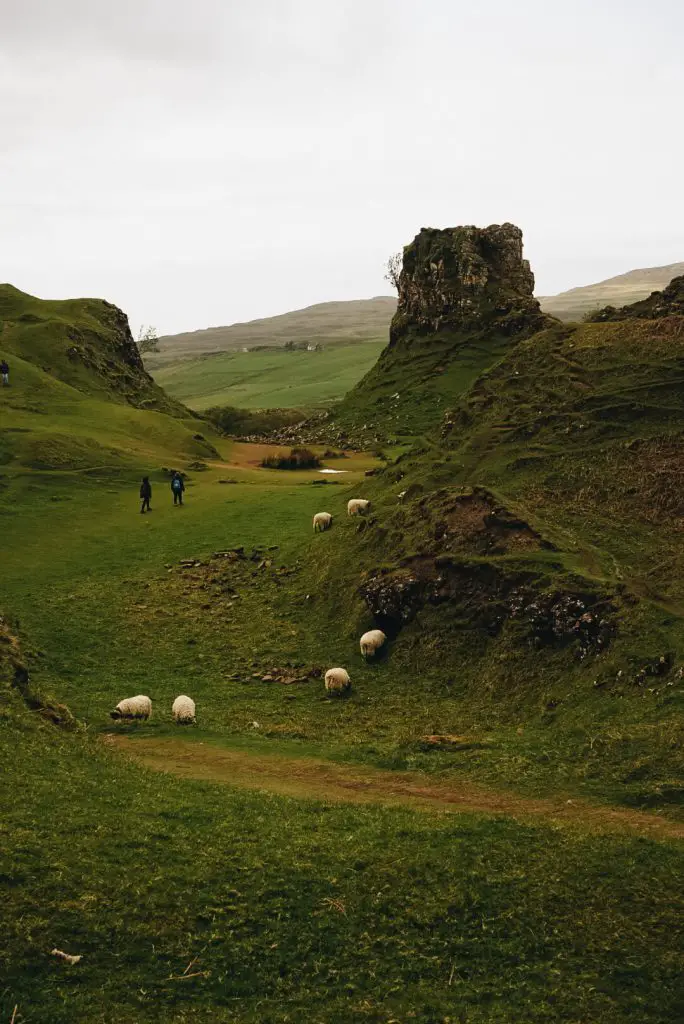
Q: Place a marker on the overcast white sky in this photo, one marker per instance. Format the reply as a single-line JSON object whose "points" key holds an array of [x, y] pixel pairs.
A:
{"points": [[210, 161]]}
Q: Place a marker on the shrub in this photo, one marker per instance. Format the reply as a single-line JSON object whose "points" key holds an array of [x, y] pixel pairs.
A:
{"points": [[299, 458]]}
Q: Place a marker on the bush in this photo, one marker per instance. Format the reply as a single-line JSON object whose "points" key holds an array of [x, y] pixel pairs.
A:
{"points": [[299, 458]]}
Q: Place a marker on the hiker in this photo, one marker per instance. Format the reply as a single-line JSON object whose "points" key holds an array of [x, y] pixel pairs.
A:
{"points": [[4, 370], [177, 486], [145, 494]]}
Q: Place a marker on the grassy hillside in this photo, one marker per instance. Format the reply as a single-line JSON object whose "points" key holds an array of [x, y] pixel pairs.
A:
{"points": [[542, 514], [275, 379], [327, 323], [411, 386], [500, 838], [243, 906], [79, 397], [615, 291], [85, 343]]}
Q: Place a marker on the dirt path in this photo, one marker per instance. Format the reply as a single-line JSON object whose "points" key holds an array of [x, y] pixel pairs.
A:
{"points": [[314, 778]]}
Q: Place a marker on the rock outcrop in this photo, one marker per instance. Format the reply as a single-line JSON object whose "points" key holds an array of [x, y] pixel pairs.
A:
{"points": [[668, 302], [466, 279]]}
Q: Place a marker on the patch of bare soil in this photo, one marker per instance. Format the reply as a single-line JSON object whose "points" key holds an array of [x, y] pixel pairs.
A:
{"points": [[317, 779]]}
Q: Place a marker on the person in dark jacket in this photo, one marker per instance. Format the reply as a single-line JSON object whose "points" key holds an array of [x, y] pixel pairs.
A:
{"points": [[4, 371], [177, 487], [145, 494]]}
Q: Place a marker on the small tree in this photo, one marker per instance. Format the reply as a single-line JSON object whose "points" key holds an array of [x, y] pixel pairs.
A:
{"points": [[148, 340], [393, 269]]}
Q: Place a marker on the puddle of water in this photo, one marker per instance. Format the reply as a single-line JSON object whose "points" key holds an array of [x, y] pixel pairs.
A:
{"points": [[333, 470]]}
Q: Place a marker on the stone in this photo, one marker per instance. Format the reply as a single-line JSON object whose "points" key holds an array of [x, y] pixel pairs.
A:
{"points": [[466, 279]]}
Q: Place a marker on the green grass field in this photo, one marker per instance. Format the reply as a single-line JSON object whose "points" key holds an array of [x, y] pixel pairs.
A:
{"points": [[189, 900], [267, 380], [528, 870]]}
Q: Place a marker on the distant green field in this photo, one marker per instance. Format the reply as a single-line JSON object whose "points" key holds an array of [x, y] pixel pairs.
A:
{"points": [[269, 379]]}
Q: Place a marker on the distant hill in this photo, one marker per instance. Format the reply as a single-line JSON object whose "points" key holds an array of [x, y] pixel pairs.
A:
{"points": [[615, 291], [364, 320], [326, 323]]}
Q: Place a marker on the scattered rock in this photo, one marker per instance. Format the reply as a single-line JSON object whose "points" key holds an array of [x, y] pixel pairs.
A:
{"points": [[445, 740]]}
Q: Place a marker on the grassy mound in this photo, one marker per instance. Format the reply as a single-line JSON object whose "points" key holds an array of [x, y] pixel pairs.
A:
{"points": [[411, 385], [85, 343], [79, 397], [526, 556]]}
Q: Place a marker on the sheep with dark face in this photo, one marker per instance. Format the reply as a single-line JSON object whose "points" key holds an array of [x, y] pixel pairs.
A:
{"points": [[358, 507], [132, 708]]}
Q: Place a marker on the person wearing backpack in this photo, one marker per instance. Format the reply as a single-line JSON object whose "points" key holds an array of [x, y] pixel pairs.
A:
{"points": [[177, 487]]}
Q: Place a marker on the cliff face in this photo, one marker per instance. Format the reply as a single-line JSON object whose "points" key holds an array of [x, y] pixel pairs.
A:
{"points": [[466, 279]]}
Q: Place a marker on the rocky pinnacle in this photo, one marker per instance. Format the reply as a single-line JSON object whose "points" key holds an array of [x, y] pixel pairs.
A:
{"points": [[467, 279]]}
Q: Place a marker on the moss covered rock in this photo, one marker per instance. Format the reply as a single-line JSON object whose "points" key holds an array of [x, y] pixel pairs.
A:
{"points": [[466, 278]]}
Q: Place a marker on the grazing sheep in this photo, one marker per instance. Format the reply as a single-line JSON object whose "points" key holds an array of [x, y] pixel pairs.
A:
{"points": [[322, 521], [183, 710], [358, 507], [371, 642], [132, 707], [337, 680]]}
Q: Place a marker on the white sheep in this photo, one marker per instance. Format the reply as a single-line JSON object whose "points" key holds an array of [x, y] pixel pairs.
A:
{"points": [[401, 496], [358, 507], [183, 710], [371, 642], [322, 521], [132, 707], [337, 680]]}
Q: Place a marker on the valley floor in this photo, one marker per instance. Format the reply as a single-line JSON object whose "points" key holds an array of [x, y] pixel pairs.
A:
{"points": [[308, 888], [267, 379]]}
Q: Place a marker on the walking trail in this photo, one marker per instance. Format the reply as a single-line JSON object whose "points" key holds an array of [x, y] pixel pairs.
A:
{"points": [[317, 779]]}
